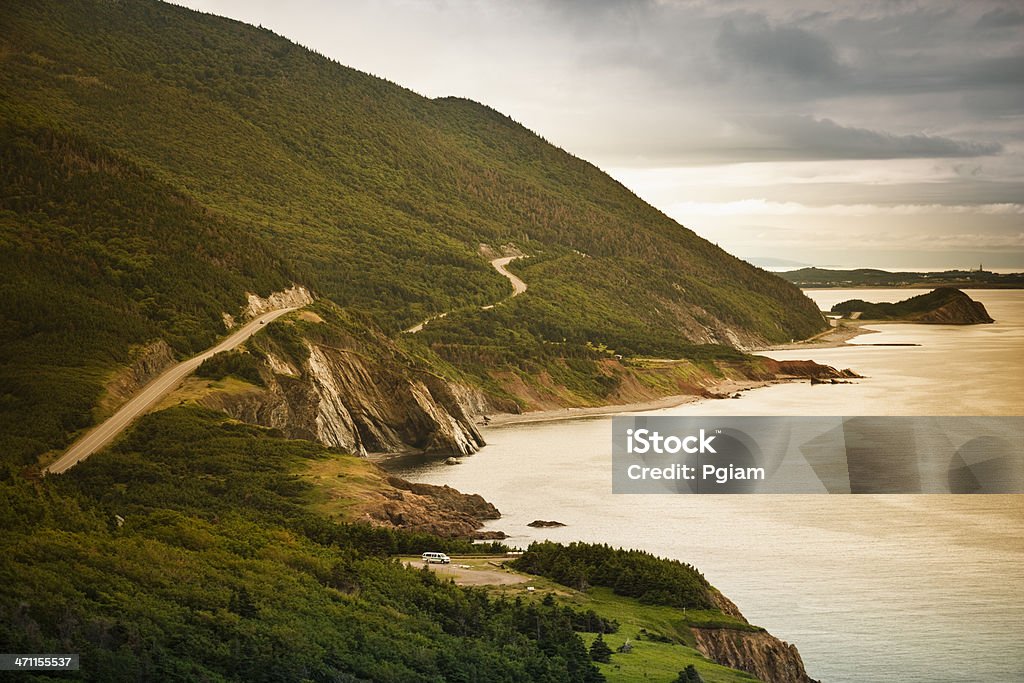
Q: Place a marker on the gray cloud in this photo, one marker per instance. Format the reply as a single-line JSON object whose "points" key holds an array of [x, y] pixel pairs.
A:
{"points": [[753, 43], [995, 71], [1000, 17], [810, 138]]}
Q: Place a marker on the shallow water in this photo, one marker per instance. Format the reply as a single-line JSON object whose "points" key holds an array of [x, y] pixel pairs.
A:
{"points": [[870, 588]]}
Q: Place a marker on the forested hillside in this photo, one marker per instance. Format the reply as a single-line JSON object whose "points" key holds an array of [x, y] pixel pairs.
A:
{"points": [[158, 163], [155, 567]]}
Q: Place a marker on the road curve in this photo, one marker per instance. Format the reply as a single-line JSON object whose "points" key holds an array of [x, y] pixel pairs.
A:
{"points": [[104, 433], [518, 287]]}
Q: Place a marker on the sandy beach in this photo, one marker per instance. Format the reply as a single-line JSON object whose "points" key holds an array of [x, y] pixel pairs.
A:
{"points": [[831, 338]]}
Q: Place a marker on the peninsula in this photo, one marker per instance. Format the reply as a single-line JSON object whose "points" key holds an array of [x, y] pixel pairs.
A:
{"points": [[941, 306]]}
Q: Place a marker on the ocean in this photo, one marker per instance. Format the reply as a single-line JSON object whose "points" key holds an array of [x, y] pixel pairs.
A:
{"points": [[925, 588]]}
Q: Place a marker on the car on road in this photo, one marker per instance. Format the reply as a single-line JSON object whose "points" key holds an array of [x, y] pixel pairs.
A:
{"points": [[436, 558]]}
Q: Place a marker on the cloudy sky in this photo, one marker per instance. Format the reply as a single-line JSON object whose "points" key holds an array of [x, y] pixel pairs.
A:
{"points": [[883, 133]]}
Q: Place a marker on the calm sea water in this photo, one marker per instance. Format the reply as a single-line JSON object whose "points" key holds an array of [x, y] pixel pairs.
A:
{"points": [[870, 588]]}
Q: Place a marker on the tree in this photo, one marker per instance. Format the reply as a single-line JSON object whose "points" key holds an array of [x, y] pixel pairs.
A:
{"points": [[599, 650], [689, 675], [241, 603]]}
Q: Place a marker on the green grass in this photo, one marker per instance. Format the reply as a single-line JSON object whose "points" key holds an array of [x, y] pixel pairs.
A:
{"points": [[650, 659], [645, 626]]}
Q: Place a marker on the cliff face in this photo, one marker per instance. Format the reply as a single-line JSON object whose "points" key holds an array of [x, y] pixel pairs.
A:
{"points": [[296, 295], [758, 653], [344, 399], [961, 310], [147, 362]]}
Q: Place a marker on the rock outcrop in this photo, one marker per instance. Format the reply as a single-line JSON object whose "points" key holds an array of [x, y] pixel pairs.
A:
{"points": [[147, 362], [805, 368], [757, 652], [439, 510], [475, 402], [345, 399], [961, 310], [296, 295]]}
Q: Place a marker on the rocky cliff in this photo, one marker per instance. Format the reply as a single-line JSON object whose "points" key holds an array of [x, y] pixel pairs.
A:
{"points": [[961, 310], [345, 399], [439, 510], [757, 652], [296, 295]]}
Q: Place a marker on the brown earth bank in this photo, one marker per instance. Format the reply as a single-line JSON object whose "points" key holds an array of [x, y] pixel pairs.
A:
{"points": [[757, 652], [439, 510]]}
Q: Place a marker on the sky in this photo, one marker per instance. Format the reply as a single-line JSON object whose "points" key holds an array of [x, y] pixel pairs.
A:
{"points": [[880, 133]]}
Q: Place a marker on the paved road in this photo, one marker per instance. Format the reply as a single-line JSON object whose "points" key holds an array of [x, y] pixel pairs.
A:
{"points": [[104, 433], [518, 287]]}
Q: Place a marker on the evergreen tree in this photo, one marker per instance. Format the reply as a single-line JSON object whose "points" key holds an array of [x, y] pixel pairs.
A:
{"points": [[241, 603], [599, 650], [689, 675]]}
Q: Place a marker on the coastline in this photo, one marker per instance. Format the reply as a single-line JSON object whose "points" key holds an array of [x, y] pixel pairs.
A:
{"points": [[829, 339], [832, 338], [725, 389]]}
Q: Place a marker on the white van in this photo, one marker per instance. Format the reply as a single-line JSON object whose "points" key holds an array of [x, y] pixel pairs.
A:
{"points": [[436, 558]]}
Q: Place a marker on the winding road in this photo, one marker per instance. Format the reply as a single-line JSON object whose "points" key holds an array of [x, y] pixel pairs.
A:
{"points": [[518, 287], [106, 431]]}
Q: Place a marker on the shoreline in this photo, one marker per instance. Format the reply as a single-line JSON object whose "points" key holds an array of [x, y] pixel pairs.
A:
{"points": [[726, 389], [829, 339], [832, 338]]}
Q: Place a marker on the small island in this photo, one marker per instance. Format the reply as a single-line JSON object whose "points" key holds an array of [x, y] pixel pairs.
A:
{"points": [[941, 306]]}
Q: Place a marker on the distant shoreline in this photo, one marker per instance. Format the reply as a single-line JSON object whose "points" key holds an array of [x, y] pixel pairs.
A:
{"points": [[725, 388], [914, 285], [831, 338]]}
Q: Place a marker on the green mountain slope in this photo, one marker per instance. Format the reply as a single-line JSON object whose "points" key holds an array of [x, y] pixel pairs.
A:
{"points": [[158, 163], [157, 166], [155, 567]]}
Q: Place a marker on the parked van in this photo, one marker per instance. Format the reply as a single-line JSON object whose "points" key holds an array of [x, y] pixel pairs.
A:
{"points": [[436, 558]]}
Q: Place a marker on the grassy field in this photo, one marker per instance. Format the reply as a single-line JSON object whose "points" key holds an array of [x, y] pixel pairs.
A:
{"points": [[661, 640]]}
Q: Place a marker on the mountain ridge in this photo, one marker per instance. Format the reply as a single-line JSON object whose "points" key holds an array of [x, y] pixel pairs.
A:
{"points": [[258, 164]]}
